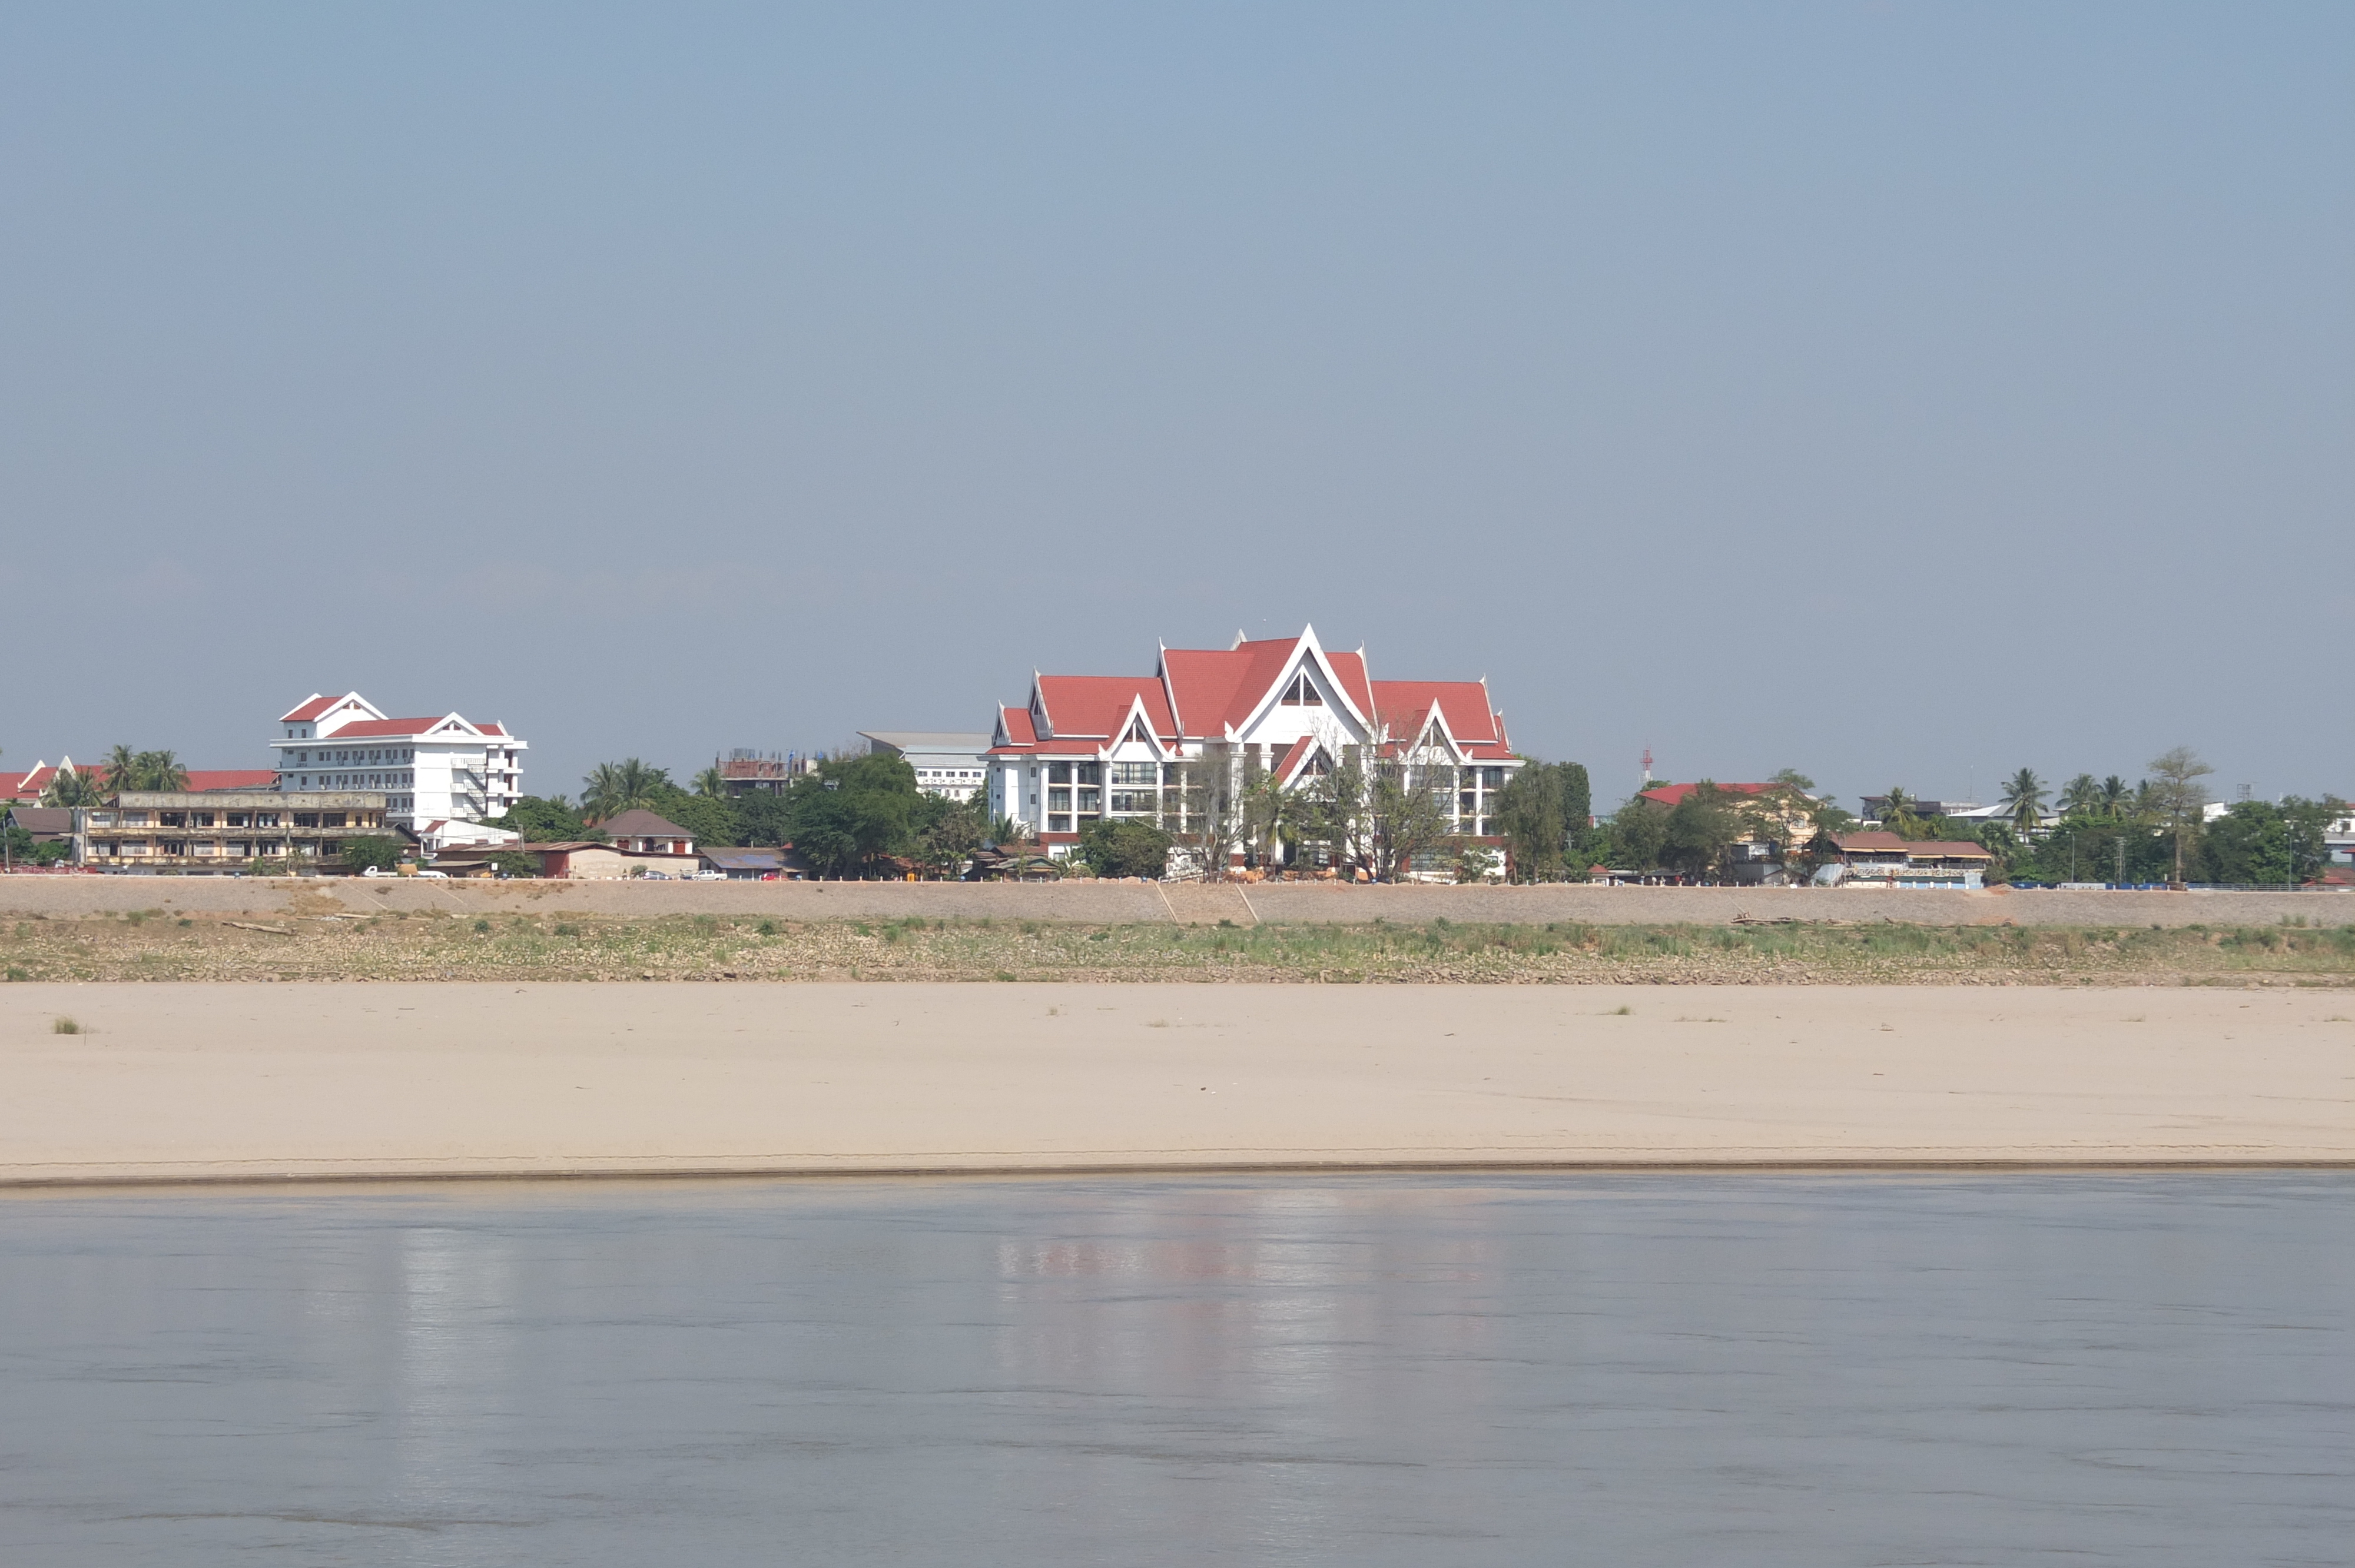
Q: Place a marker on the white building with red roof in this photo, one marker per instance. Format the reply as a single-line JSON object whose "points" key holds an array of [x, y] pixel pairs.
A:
{"points": [[1088, 748], [427, 770]]}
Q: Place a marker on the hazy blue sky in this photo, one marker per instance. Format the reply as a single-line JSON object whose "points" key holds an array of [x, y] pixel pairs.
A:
{"points": [[1903, 393]]}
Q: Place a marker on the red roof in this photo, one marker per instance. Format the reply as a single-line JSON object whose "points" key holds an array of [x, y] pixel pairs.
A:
{"points": [[364, 728], [1201, 694], [1674, 794], [1099, 705], [310, 710], [1405, 706], [201, 781]]}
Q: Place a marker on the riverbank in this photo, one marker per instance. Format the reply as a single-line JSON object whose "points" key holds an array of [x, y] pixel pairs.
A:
{"points": [[1087, 902], [169, 1082], [317, 939]]}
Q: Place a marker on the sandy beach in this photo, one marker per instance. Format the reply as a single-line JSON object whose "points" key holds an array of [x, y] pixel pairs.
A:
{"points": [[273, 1082]]}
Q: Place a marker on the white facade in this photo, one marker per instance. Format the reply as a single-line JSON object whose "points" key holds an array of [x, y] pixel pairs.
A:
{"points": [[428, 769], [1088, 748]]}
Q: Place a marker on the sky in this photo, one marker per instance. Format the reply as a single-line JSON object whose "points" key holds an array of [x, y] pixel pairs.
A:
{"points": [[1901, 393]]}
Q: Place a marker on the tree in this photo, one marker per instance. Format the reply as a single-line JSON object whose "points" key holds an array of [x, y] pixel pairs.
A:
{"points": [[1126, 846], [1207, 820], [547, 820], [122, 769], [2249, 843], [161, 770], [73, 787], [2082, 796], [2115, 797], [515, 862], [1407, 810], [1639, 831], [710, 782], [373, 852], [1899, 815], [1699, 831], [2023, 797], [2177, 796], [1792, 778], [853, 813], [1542, 814], [614, 787]]}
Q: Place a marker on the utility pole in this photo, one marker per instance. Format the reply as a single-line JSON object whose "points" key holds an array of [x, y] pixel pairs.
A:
{"points": [[2122, 862]]}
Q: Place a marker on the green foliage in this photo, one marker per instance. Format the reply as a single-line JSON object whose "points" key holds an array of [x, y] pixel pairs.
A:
{"points": [[547, 821], [613, 788], [73, 787], [2023, 797], [373, 851], [854, 813], [515, 862], [1126, 846], [1639, 832], [1542, 814], [1699, 831], [127, 768]]}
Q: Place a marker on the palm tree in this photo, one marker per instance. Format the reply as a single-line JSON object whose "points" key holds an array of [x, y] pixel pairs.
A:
{"points": [[711, 783], [2023, 797], [122, 770], [1898, 814], [613, 788], [161, 770], [2115, 796], [2082, 796], [72, 787]]}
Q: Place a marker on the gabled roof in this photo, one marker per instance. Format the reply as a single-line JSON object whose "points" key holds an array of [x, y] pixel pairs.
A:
{"points": [[1097, 706], [637, 822], [311, 709], [1915, 849], [381, 729]]}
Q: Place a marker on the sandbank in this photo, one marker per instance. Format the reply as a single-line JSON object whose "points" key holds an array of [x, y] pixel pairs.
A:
{"points": [[185, 1083]]}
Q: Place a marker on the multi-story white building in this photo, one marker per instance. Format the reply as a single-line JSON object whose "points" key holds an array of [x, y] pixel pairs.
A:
{"points": [[428, 769], [1086, 747], [953, 765]]}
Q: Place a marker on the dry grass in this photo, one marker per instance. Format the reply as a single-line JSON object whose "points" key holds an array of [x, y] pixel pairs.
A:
{"points": [[343, 947]]}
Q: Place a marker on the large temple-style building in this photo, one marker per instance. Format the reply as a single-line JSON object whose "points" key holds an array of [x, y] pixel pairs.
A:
{"points": [[1086, 747]]}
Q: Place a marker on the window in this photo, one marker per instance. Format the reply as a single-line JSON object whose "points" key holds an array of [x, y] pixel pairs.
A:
{"points": [[306, 819], [1059, 800], [1145, 773], [1137, 732], [1059, 824], [1303, 692], [1059, 773], [1091, 800], [1088, 772]]}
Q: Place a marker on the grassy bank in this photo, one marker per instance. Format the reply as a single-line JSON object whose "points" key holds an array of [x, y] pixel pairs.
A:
{"points": [[152, 945]]}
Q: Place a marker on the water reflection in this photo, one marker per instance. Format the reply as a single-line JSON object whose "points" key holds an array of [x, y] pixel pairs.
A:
{"points": [[1368, 1370]]}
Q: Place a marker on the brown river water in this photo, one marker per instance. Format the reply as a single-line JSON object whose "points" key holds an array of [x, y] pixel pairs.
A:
{"points": [[1372, 1369]]}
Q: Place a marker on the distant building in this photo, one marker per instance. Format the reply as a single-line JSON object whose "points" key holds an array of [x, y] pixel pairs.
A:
{"points": [[1086, 748], [229, 830], [756, 865], [744, 772], [950, 764], [648, 843], [1885, 859], [426, 769]]}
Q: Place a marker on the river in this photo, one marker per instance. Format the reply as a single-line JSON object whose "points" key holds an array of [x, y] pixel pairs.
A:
{"points": [[1369, 1370]]}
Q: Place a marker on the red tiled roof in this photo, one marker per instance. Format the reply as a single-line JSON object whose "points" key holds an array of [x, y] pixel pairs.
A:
{"points": [[1350, 670], [363, 729], [1099, 705], [309, 710], [1674, 794], [1402, 705], [492, 729], [1293, 758], [201, 781]]}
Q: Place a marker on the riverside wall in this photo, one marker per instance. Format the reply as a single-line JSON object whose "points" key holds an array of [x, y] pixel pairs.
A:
{"points": [[1115, 903]]}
